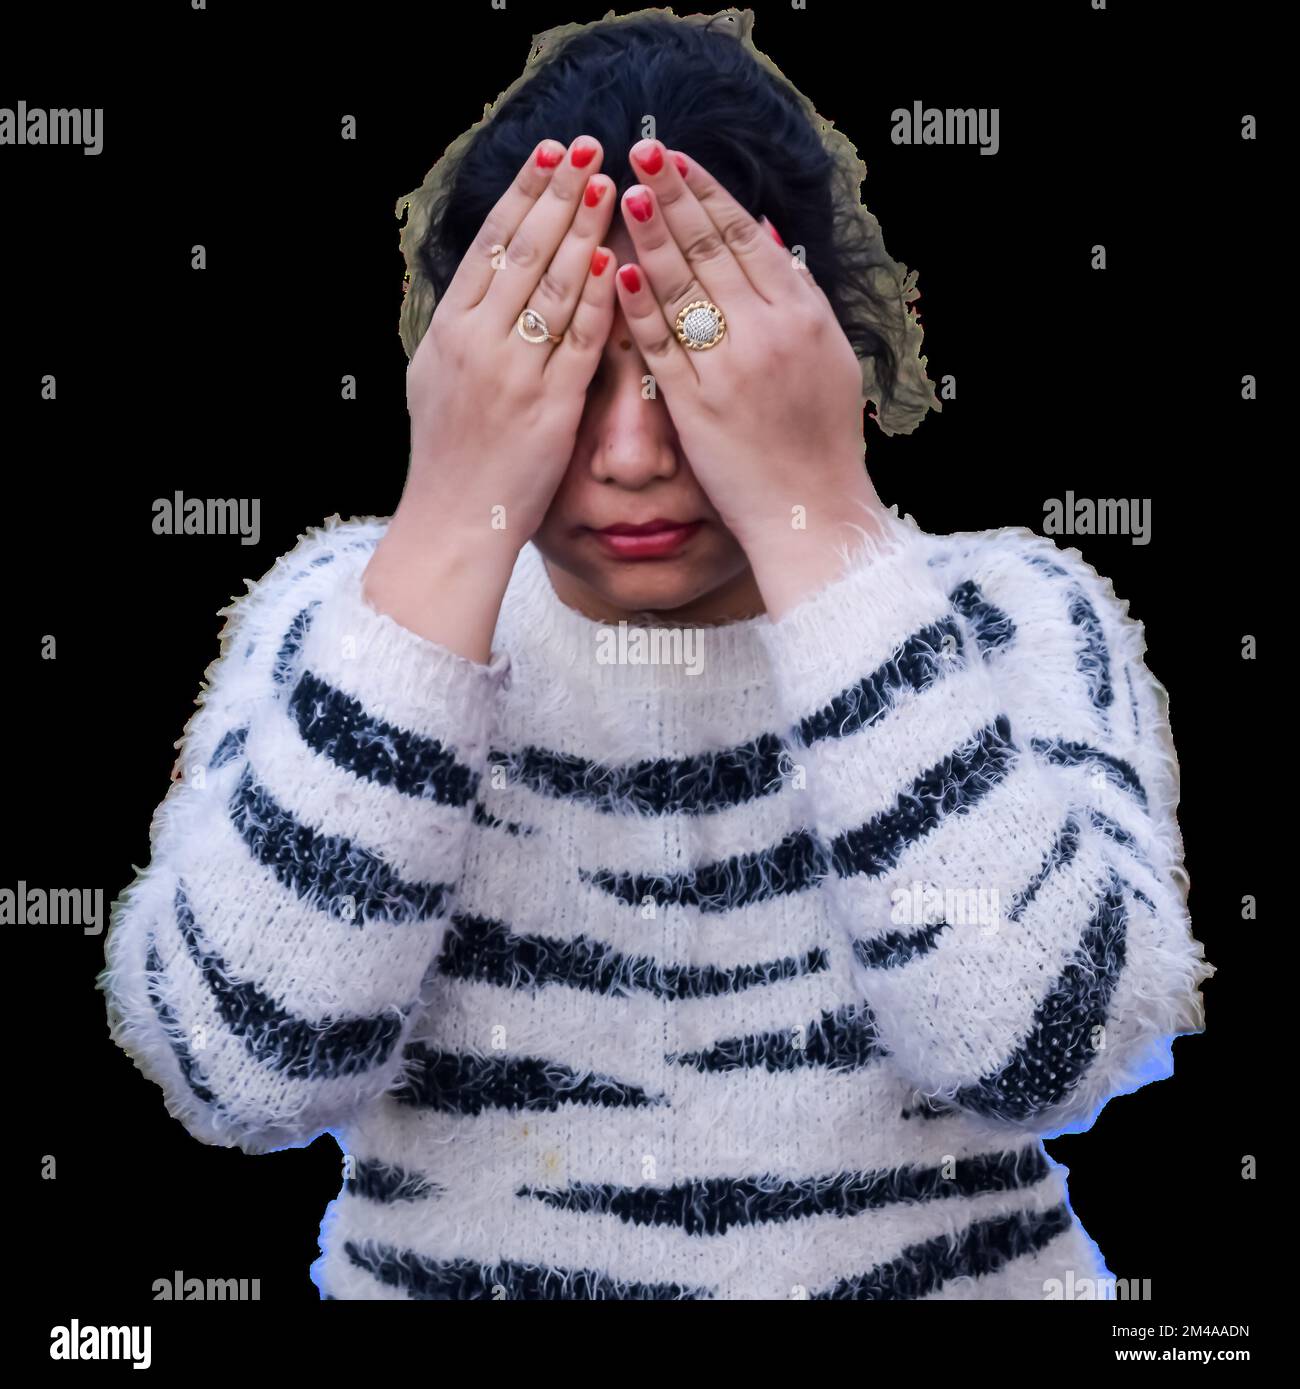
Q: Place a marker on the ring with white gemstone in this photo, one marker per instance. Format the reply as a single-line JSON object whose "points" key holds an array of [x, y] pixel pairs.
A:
{"points": [[531, 326], [700, 325]]}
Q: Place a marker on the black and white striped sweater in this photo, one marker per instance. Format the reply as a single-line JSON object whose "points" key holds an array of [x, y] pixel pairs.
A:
{"points": [[618, 980]]}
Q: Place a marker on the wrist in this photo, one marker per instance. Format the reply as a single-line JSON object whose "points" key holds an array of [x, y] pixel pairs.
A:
{"points": [[797, 555], [441, 586], [430, 551]]}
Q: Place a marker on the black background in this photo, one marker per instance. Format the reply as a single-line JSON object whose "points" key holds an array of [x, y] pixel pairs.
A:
{"points": [[222, 128]]}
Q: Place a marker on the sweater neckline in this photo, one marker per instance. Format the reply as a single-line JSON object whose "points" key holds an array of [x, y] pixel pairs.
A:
{"points": [[650, 653]]}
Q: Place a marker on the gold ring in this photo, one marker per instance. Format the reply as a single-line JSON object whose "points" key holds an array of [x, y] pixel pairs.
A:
{"points": [[700, 325], [531, 326]]}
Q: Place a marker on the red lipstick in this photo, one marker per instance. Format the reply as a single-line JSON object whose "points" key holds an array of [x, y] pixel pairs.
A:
{"points": [[649, 540]]}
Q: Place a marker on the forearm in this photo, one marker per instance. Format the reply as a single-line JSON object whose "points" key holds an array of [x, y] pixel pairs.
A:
{"points": [[445, 585], [268, 964], [799, 544], [1014, 915]]}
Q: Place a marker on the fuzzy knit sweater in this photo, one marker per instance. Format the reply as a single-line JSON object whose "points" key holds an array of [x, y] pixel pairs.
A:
{"points": [[761, 974]]}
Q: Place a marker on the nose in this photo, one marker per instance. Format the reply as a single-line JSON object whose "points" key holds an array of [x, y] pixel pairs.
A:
{"points": [[633, 439]]}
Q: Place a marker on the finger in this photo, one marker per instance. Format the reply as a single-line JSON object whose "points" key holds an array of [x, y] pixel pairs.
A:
{"points": [[525, 279], [803, 276], [561, 287], [668, 360], [660, 258], [572, 364], [670, 230], [475, 273], [697, 207]]}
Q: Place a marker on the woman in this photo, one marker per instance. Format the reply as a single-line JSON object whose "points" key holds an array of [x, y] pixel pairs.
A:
{"points": [[668, 873]]}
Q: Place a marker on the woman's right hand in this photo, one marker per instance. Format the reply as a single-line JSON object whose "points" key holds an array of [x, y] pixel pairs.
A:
{"points": [[494, 419]]}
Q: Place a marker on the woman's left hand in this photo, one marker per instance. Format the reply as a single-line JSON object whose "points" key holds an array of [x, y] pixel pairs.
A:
{"points": [[770, 418]]}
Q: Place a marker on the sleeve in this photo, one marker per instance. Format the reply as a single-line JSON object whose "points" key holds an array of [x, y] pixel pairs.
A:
{"points": [[993, 784], [266, 968]]}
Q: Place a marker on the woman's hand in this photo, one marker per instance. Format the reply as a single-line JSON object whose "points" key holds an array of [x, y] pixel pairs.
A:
{"points": [[494, 419], [771, 417]]}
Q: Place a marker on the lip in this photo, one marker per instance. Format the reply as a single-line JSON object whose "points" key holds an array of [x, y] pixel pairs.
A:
{"points": [[649, 540]]}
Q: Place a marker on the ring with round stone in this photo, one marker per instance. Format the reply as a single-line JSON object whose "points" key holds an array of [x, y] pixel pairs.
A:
{"points": [[531, 326], [700, 325]]}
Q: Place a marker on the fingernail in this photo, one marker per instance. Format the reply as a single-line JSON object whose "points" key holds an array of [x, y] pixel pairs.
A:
{"points": [[595, 192], [639, 204], [631, 278], [599, 260], [582, 155], [776, 235], [649, 155], [680, 161], [548, 158]]}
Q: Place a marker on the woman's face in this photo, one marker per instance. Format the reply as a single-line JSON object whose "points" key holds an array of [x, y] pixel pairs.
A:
{"points": [[627, 469]]}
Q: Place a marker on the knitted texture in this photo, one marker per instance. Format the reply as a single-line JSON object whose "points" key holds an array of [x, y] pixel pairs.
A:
{"points": [[760, 975]]}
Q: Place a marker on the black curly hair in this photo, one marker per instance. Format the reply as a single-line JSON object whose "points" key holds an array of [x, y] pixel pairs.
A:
{"points": [[713, 95]]}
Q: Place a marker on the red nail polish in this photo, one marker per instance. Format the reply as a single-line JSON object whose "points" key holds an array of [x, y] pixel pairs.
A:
{"points": [[548, 158], [599, 260], [595, 191], [640, 205], [651, 159], [776, 235], [582, 155], [680, 161], [631, 278]]}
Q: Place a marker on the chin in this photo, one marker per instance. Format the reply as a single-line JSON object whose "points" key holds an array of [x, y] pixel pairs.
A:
{"points": [[655, 585]]}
